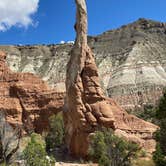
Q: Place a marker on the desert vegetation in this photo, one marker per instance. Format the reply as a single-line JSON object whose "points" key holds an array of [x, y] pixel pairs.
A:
{"points": [[35, 152], [110, 150], [55, 136]]}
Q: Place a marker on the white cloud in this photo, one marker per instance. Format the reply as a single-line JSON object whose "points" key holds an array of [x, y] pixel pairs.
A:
{"points": [[62, 42], [17, 13], [70, 42]]}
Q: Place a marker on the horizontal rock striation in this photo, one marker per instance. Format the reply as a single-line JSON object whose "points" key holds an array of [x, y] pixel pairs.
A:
{"points": [[131, 62], [26, 100]]}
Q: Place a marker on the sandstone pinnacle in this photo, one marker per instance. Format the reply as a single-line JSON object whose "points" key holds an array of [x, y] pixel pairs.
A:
{"points": [[86, 105]]}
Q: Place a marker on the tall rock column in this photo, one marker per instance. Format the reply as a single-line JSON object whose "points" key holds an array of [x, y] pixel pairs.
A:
{"points": [[86, 107]]}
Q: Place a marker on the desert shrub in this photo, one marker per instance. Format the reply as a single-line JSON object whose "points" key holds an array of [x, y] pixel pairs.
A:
{"points": [[143, 153], [110, 150], [159, 155], [2, 164], [9, 140], [148, 113], [55, 136], [35, 153]]}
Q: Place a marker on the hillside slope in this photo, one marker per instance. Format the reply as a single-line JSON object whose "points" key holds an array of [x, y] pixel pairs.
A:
{"points": [[131, 62]]}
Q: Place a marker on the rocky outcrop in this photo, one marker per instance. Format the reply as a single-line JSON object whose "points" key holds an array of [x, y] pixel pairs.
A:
{"points": [[132, 128], [86, 107], [9, 140], [26, 100], [131, 62]]}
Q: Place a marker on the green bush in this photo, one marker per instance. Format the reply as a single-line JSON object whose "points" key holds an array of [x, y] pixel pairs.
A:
{"points": [[55, 137], [148, 114], [2, 164], [108, 149], [159, 157], [35, 153]]}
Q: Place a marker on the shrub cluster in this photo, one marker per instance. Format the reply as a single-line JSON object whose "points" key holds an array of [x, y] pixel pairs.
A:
{"points": [[35, 153], [55, 137], [110, 150]]}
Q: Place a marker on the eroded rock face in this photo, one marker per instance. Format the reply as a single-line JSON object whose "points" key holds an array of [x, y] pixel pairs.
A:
{"points": [[26, 99], [132, 128], [29, 107], [86, 106]]}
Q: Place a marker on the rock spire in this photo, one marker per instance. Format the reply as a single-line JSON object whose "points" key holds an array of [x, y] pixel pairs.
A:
{"points": [[86, 105]]}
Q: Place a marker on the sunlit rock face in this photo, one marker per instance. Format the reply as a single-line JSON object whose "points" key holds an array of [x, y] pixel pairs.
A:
{"points": [[26, 100], [86, 107], [131, 62]]}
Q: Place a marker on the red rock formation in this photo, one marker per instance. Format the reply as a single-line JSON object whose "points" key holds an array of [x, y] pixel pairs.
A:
{"points": [[132, 128], [26, 99], [86, 106]]}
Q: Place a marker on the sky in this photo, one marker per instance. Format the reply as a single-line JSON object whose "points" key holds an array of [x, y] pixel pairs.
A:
{"points": [[51, 21]]}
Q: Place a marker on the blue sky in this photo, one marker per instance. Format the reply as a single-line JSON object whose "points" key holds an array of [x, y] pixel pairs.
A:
{"points": [[51, 21]]}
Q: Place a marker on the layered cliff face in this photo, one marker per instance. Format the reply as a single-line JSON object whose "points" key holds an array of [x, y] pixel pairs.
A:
{"points": [[136, 54], [131, 62], [26, 100]]}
